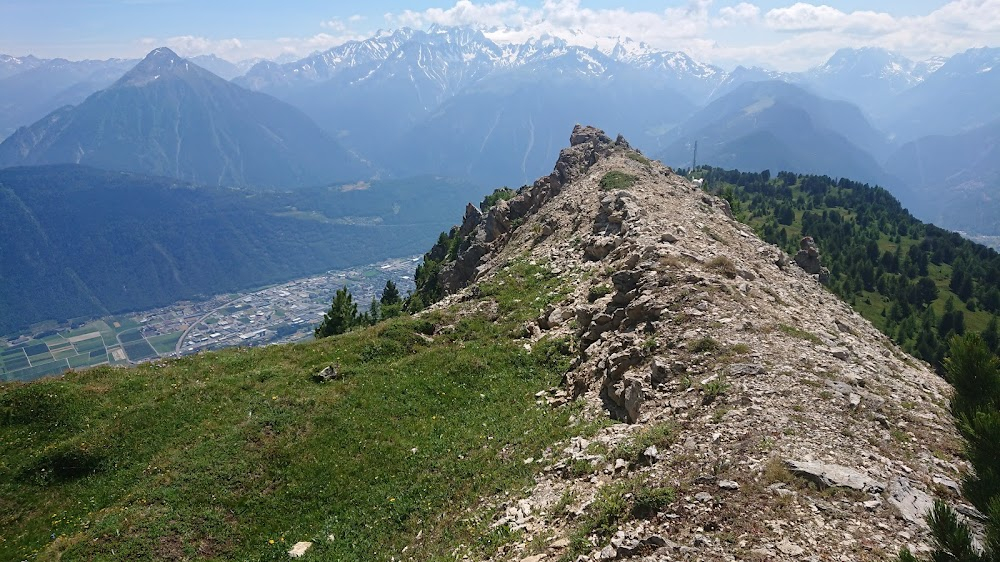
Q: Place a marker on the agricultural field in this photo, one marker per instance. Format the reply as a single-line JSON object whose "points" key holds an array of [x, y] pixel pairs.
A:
{"points": [[55, 353]]}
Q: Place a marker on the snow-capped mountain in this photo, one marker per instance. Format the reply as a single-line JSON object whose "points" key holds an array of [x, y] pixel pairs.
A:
{"points": [[10, 66], [959, 96], [318, 67], [868, 77], [871, 63], [455, 57], [628, 50]]}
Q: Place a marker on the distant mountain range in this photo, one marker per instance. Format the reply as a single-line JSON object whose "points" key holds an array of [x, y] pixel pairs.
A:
{"points": [[31, 88], [452, 101], [169, 117], [779, 126]]}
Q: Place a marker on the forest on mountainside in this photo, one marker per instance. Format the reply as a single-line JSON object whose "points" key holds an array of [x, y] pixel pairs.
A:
{"points": [[918, 283]]}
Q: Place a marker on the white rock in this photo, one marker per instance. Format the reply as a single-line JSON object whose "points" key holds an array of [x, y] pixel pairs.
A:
{"points": [[790, 548], [299, 549]]}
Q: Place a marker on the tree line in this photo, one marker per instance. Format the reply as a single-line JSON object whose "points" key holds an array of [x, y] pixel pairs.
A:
{"points": [[918, 283]]}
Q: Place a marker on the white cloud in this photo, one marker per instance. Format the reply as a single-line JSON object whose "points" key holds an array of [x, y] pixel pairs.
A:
{"points": [[190, 45], [510, 21], [740, 14], [334, 24], [808, 17], [236, 50], [464, 12]]}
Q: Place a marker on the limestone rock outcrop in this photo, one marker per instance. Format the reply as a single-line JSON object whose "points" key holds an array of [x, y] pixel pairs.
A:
{"points": [[808, 258], [790, 427]]}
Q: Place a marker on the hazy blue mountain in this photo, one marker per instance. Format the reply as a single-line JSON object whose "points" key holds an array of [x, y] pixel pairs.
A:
{"points": [[10, 65], [167, 116], [508, 129], [779, 126], [741, 75], [42, 86], [869, 77], [84, 242], [955, 180], [960, 95], [219, 67]]}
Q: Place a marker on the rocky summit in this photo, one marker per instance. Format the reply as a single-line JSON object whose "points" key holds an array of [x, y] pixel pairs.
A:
{"points": [[754, 415]]}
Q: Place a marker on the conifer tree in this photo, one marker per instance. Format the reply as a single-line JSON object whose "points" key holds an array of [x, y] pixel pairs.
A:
{"points": [[974, 371], [390, 294], [342, 316]]}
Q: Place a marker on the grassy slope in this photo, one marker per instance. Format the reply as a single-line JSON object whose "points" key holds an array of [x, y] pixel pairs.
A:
{"points": [[214, 456]]}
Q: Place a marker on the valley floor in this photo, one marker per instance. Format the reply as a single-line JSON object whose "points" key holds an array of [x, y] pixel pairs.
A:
{"points": [[275, 314]]}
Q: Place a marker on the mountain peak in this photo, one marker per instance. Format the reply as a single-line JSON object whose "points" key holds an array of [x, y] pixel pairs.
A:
{"points": [[161, 57], [158, 63]]}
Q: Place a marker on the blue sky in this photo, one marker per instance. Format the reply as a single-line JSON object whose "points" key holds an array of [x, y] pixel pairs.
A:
{"points": [[787, 35]]}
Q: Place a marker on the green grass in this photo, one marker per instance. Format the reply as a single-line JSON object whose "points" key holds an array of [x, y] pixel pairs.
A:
{"points": [[799, 333], [214, 456], [661, 435], [615, 503], [615, 180], [638, 158]]}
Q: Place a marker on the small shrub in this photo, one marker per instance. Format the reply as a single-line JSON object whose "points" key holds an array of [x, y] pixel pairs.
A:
{"points": [[739, 349], [715, 388], [502, 194], [638, 158], [579, 467], [797, 333], [597, 291], [724, 266], [616, 179], [650, 501], [776, 471], [616, 503], [661, 435], [556, 353], [703, 345]]}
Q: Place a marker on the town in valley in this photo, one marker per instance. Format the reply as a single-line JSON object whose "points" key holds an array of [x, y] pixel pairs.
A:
{"points": [[275, 314]]}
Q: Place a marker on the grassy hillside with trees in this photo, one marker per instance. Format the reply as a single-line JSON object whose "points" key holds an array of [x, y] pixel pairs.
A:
{"points": [[239, 454], [918, 283]]}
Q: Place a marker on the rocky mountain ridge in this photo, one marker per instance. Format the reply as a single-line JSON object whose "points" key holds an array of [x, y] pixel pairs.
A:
{"points": [[784, 425]]}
